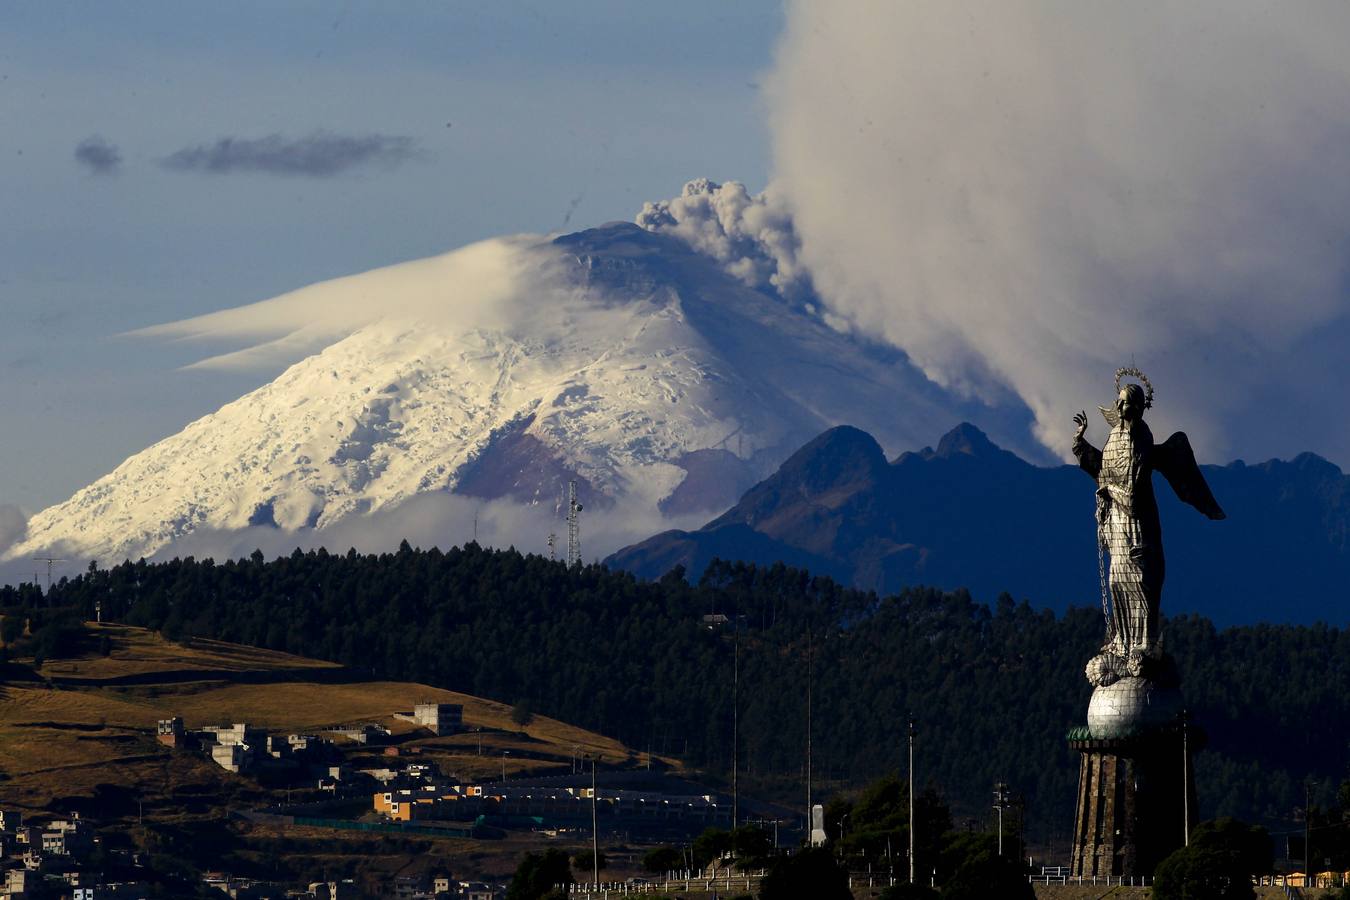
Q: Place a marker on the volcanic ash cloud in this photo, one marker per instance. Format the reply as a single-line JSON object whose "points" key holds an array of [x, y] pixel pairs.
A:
{"points": [[1031, 194]]}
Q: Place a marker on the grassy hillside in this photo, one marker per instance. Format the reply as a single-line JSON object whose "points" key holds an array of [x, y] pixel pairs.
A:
{"points": [[78, 735], [72, 724]]}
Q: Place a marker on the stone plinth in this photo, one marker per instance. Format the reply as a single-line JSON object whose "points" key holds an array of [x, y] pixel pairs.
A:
{"points": [[1132, 790]]}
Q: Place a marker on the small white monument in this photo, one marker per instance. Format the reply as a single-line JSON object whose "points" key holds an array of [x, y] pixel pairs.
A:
{"points": [[817, 825]]}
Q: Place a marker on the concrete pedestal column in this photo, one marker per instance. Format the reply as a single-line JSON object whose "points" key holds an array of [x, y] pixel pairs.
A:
{"points": [[1131, 811]]}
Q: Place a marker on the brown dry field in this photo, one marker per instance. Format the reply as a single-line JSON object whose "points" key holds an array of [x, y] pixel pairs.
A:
{"points": [[60, 742], [135, 650]]}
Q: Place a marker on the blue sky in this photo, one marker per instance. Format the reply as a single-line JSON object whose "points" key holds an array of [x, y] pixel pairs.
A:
{"points": [[515, 117], [1021, 196]]}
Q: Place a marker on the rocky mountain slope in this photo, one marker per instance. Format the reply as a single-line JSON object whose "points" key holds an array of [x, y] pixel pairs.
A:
{"points": [[970, 514]]}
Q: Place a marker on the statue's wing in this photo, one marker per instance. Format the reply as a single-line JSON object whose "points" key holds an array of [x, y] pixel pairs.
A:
{"points": [[1176, 461], [1110, 415]]}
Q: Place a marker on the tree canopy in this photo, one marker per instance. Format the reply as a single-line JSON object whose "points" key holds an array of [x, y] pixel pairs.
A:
{"points": [[993, 687]]}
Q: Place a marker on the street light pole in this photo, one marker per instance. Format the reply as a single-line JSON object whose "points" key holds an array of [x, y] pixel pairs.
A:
{"points": [[1307, 832], [1186, 777], [1000, 800], [810, 810], [735, 721], [911, 799], [595, 833]]}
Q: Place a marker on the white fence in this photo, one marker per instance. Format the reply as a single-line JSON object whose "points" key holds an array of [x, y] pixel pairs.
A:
{"points": [[740, 883], [1102, 880]]}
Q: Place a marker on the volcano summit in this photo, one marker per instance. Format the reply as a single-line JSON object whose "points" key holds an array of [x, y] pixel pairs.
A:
{"points": [[485, 379]]}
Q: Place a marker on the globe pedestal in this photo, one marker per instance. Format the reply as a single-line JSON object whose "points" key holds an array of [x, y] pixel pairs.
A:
{"points": [[1136, 787]]}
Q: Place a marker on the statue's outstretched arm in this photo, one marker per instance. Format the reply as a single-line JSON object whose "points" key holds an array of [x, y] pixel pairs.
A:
{"points": [[1176, 461], [1089, 457]]}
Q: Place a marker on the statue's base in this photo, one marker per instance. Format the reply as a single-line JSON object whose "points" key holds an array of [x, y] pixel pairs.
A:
{"points": [[1136, 799]]}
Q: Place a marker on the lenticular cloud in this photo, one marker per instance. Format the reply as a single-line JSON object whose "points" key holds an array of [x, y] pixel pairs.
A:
{"points": [[481, 285], [1031, 194]]}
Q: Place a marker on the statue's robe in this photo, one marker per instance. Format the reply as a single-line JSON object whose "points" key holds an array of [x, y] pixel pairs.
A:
{"points": [[1127, 519]]}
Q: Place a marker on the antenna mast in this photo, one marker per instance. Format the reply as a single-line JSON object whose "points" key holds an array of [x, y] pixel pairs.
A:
{"points": [[49, 560], [573, 525]]}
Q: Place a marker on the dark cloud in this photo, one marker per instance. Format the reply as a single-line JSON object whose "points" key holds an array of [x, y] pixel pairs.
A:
{"points": [[99, 155], [318, 155]]}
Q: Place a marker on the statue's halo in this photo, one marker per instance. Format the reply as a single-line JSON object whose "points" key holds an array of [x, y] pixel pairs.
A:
{"points": [[1148, 385]]}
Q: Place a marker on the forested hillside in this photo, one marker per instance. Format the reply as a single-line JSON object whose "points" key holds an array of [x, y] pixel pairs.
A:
{"points": [[993, 689]]}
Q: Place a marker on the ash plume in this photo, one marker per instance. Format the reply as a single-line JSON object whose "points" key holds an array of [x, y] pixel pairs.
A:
{"points": [[751, 235], [1031, 194]]}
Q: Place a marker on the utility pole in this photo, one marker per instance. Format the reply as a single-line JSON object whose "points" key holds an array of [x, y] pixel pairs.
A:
{"points": [[810, 810], [1000, 801], [595, 833], [1307, 832], [911, 799], [1186, 777], [735, 721]]}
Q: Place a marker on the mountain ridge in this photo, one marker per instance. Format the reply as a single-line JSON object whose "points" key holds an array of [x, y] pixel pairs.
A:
{"points": [[971, 514]]}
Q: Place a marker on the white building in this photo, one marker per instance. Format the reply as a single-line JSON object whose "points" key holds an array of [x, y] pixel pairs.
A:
{"points": [[439, 718], [232, 757], [117, 891], [67, 837], [237, 733]]}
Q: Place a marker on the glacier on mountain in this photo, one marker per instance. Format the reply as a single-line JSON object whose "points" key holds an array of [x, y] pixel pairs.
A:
{"points": [[477, 383]]}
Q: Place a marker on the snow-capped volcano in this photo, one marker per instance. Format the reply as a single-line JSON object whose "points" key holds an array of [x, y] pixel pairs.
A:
{"points": [[616, 356]]}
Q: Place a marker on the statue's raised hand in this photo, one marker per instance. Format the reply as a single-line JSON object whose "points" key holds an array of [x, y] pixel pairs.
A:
{"points": [[1081, 421]]}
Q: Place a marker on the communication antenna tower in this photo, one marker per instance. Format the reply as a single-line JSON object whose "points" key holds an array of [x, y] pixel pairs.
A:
{"points": [[552, 539], [49, 560], [573, 526]]}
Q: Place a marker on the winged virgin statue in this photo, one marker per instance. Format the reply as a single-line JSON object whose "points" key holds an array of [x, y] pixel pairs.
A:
{"points": [[1128, 529]]}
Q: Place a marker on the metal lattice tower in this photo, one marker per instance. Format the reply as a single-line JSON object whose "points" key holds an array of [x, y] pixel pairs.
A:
{"points": [[573, 525], [50, 561]]}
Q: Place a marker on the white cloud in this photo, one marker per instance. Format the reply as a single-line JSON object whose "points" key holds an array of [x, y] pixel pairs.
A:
{"points": [[427, 520], [1033, 193], [481, 285]]}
